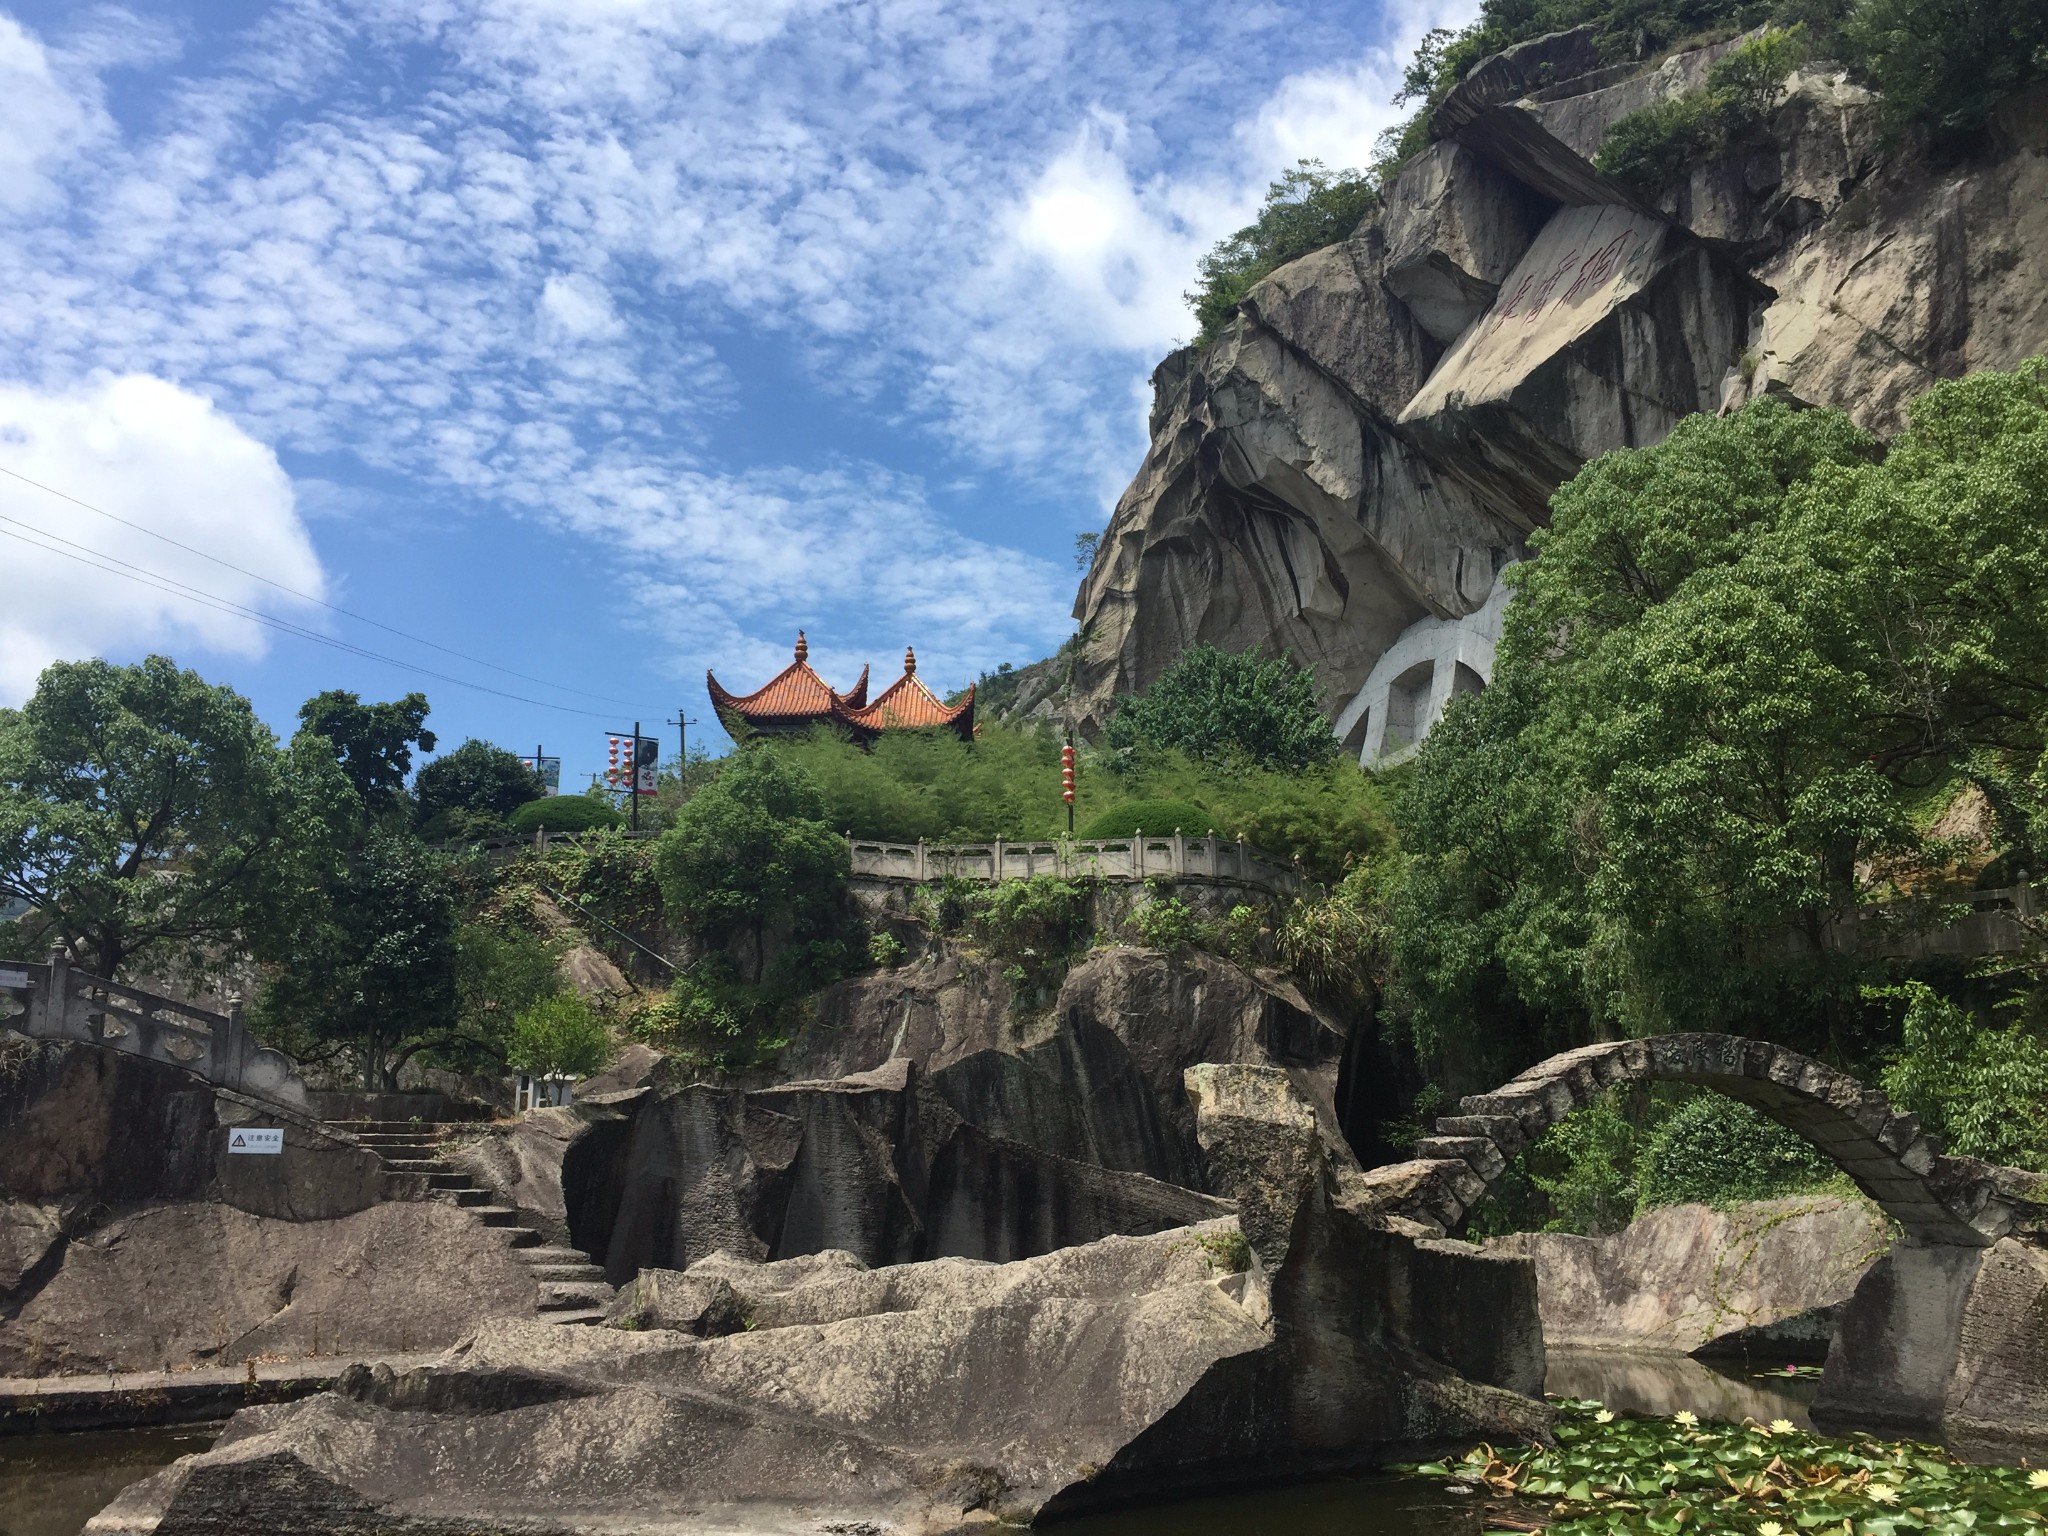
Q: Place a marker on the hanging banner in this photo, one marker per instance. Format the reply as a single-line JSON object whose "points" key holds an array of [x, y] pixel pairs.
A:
{"points": [[550, 771], [646, 764]]}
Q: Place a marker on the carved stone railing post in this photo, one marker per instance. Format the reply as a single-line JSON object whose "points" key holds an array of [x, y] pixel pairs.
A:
{"points": [[996, 869], [56, 1001]]}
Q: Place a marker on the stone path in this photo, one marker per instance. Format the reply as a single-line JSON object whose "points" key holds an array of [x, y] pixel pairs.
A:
{"points": [[131, 1399], [572, 1286]]}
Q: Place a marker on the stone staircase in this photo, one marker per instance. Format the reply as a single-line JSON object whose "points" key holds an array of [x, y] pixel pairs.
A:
{"points": [[572, 1286]]}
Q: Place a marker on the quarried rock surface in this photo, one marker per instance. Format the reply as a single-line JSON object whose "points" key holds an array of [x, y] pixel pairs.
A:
{"points": [[205, 1284], [1947, 1341], [925, 1398], [1767, 1277]]}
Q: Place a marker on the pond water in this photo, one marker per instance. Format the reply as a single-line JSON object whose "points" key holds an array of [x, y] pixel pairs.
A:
{"points": [[50, 1485]]}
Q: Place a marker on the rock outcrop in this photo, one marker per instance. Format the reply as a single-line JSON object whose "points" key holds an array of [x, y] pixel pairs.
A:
{"points": [[1767, 1278], [1947, 1341], [1369, 441], [131, 1239], [929, 1397]]}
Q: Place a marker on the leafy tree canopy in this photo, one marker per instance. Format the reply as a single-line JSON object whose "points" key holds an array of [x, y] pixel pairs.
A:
{"points": [[1737, 654], [476, 785], [559, 1036], [1308, 208], [149, 817], [372, 972], [1227, 705], [373, 742], [752, 849]]}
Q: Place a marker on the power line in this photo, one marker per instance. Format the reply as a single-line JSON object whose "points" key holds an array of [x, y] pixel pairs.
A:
{"points": [[304, 597], [236, 610]]}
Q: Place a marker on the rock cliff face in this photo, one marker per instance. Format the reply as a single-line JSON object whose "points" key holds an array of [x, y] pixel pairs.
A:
{"points": [[1370, 441]]}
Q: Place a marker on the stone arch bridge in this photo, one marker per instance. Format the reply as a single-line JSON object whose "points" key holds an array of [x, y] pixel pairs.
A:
{"points": [[1936, 1199]]}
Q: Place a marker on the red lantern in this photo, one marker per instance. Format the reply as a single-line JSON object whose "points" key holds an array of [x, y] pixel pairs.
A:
{"points": [[1067, 774]]}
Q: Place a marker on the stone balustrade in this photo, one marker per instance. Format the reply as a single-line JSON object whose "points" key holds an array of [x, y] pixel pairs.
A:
{"points": [[1137, 858], [54, 1001]]}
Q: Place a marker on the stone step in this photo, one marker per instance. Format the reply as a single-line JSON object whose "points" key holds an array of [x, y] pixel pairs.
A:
{"points": [[567, 1295], [472, 1198], [521, 1240], [550, 1253], [561, 1272], [495, 1215], [581, 1317], [416, 1165]]}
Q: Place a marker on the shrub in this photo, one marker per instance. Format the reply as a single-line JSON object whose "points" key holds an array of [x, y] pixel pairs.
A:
{"points": [[1654, 148], [1159, 817], [559, 1037], [1034, 925], [1334, 946], [1164, 921], [563, 813], [1715, 1150], [1308, 208], [1230, 706], [885, 950]]}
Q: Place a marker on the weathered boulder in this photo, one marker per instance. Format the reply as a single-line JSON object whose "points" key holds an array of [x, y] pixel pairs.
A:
{"points": [[1260, 1147], [920, 1399], [1612, 326], [187, 1284], [705, 1305], [1455, 227], [1767, 1277]]}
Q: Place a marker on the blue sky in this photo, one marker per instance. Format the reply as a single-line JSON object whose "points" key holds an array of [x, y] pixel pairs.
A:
{"points": [[607, 340]]}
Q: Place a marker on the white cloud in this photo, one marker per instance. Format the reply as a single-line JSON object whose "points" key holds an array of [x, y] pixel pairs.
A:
{"points": [[159, 456], [44, 121], [491, 244]]}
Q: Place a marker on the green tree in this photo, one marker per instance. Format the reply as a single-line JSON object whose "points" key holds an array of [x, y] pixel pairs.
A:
{"points": [[372, 973], [500, 970], [473, 788], [1308, 208], [148, 816], [373, 742], [1219, 704], [751, 851], [1984, 1091], [1738, 658], [559, 1036], [1944, 65]]}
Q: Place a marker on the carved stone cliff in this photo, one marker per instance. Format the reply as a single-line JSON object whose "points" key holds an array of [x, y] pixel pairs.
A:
{"points": [[1368, 443]]}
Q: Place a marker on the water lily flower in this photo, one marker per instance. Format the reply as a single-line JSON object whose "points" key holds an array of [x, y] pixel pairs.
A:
{"points": [[1604, 1416], [2038, 1479], [1783, 1427], [1770, 1528], [1686, 1418], [1884, 1493]]}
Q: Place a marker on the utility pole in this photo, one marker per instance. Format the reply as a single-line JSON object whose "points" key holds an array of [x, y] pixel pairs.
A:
{"points": [[633, 780], [682, 723]]}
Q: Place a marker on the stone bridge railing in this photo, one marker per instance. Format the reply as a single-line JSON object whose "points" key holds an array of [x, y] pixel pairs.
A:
{"points": [[55, 1002], [1137, 858], [1938, 1200]]}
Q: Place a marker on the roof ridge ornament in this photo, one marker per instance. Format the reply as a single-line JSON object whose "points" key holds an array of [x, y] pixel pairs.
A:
{"points": [[803, 647], [909, 661]]}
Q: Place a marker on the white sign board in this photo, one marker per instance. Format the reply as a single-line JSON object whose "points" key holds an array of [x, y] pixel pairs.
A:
{"points": [[243, 1138], [13, 978]]}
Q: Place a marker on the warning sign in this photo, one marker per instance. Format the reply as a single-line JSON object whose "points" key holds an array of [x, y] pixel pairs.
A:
{"points": [[243, 1138]]}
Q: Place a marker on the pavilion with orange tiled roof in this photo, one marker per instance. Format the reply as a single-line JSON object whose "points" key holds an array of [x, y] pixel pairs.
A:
{"points": [[796, 699], [908, 705]]}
